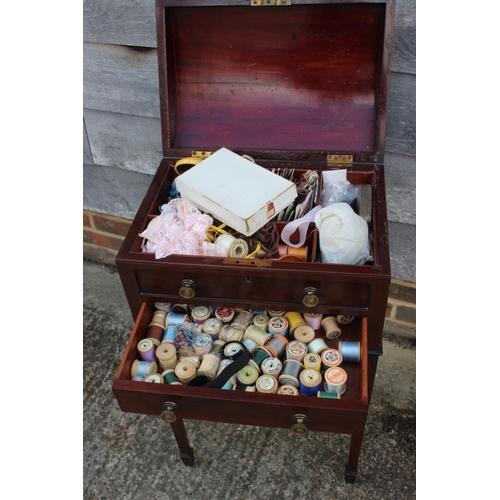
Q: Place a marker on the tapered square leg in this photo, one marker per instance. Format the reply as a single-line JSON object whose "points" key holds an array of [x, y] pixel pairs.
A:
{"points": [[180, 434], [351, 469]]}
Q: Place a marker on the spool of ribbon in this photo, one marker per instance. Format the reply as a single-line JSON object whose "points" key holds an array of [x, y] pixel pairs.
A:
{"points": [[301, 224]]}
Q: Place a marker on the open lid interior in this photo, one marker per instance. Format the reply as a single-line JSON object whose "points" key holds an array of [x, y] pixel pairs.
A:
{"points": [[278, 82]]}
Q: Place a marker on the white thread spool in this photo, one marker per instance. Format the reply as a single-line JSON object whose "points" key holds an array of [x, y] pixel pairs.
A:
{"points": [[234, 247], [231, 333], [185, 371], [335, 380], [209, 365], [260, 321], [317, 346], [331, 327], [259, 336], [167, 355], [271, 366]]}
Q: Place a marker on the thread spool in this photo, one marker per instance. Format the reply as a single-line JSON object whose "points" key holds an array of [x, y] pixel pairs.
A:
{"points": [[300, 252], [304, 333], [295, 319], [243, 318], [185, 371], [331, 327], [180, 308], [345, 319], [290, 373], [288, 390], [137, 379], [176, 319], [154, 378], [146, 350], [271, 366], [278, 325], [196, 328], [169, 377], [232, 349], [256, 312], [228, 386], [272, 314], [224, 314], [195, 359], [155, 334], [312, 361], [202, 344], [335, 380], [277, 345], [167, 355], [330, 357], [317, 346], [249, 344], [212, 326], [158, 319], [200, 314], [266, 384], [231, 333], [223, 364], [310, 382], [209, 365], [313, 320], [164, 306], [260, 321], [143, 368], [260, 354], [169, 335], [351, 351], [248, 375], [257, 335], [328, 395], [254, 364], [296, 350], [234, 247]]}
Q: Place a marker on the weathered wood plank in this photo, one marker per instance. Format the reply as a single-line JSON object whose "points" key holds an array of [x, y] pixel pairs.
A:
{"points": [[124, 141], [401, 119], [400, 180], [113, 191], [123, 22], [404, 54], [120, 79], [87, 154]]}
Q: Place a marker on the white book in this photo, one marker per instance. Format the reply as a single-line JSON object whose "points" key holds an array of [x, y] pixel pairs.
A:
{"points": [[236, 191]]}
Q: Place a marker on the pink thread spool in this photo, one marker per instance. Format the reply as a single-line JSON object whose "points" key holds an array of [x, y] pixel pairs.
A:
{"points": [[313, 320]]}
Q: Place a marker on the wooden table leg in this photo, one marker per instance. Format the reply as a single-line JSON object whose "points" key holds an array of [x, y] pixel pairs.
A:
{"points": [[182, 440], [351, 469]]}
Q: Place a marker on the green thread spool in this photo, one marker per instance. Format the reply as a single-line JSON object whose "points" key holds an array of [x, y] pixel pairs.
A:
{"points": [[328, 395], [169, 377], [260, 354], [248, 375]]}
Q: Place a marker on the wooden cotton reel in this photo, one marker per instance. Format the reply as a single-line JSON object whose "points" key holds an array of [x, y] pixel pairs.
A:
{"points": [[331, 327]]}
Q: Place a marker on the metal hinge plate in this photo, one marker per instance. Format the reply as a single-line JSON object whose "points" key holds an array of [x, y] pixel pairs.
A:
{"points": [[339, 160], [265, 3], [201, 154]]}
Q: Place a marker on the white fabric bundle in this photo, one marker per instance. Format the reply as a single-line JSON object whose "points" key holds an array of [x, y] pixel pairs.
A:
{"points": [[343, 235]]}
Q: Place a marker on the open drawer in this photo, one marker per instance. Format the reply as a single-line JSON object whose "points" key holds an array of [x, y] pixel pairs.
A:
{"points": [[344, 415]]}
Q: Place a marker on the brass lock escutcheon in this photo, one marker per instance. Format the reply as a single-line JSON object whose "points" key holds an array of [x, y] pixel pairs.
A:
{"points": [[310, 298], [168, 413], [299, 424], [187, 289]]}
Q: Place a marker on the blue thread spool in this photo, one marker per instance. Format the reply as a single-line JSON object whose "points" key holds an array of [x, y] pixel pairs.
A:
{"points": [[310, 382], [143, 368], [169, 334], [351, 351], [175, 319]]}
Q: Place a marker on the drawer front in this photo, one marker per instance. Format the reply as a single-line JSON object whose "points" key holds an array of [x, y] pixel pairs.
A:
{"points": [[251, 408], [278, 289]]}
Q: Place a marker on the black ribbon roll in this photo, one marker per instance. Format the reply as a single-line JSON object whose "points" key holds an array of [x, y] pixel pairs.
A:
{"points": [[240, 359]]}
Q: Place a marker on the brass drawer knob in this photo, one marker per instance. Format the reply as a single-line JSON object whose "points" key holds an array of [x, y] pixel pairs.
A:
{"points": [[168, 413], [299, 428], [310, 298], [187, 289]]}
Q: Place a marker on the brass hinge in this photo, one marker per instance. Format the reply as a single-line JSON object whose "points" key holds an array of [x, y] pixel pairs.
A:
{"points": [[339, 160], [201, 154], [264, 3]]}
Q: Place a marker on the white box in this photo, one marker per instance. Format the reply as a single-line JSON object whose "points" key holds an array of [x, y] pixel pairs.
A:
{"points": [[236, 191]]}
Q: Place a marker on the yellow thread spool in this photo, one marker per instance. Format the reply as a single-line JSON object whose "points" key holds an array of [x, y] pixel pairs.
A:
{"points": [[312, 361], [295, 319]]}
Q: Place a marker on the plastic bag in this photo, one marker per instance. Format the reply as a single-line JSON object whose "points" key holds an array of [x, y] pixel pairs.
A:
{"points": [[343, 235], [338, 192]]}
